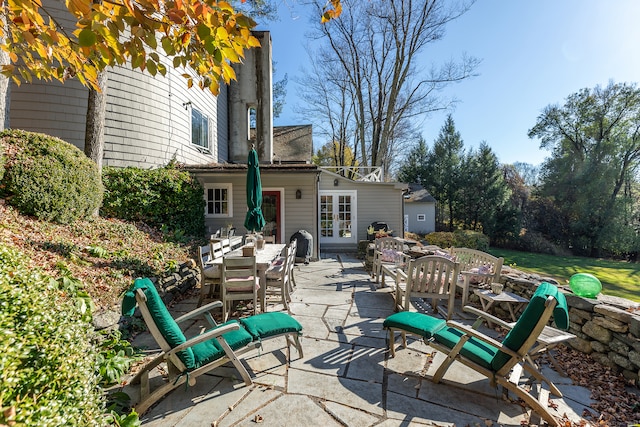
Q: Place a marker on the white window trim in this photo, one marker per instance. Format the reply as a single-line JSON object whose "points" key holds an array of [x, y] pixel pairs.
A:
{"points": [[421, 217], [229, 187], [200, 148]]}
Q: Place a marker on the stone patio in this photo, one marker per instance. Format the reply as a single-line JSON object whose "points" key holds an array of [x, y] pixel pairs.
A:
{"points": [[346, 377]]}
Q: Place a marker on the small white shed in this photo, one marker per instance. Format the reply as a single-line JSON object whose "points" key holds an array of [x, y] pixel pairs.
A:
{"points": [[419, 210]]}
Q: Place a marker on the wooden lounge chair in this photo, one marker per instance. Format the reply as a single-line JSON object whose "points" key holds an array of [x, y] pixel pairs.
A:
{"points": [[501, 362], [187, 359]]}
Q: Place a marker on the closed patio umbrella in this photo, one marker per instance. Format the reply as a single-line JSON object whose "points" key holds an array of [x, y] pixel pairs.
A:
{"points": [[254, 220]]}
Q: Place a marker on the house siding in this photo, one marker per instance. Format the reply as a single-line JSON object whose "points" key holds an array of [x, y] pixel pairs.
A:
{"points": [[147, 121], [299, 214], [376, 201]]}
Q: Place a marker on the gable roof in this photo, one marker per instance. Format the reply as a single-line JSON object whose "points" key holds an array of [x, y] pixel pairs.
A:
{"points": [[417, 193]]}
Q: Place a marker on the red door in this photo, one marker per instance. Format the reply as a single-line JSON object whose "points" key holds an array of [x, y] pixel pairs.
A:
{"points": [[271, 212]]}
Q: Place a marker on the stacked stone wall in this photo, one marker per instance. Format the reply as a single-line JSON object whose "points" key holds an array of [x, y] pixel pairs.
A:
{"points": [[607, 328]]}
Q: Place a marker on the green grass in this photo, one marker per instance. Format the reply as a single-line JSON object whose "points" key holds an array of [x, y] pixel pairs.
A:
{"points": [[618, 278]]}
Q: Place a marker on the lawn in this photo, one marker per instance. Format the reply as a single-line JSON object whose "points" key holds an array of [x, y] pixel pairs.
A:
{"points": [[619, 278]]}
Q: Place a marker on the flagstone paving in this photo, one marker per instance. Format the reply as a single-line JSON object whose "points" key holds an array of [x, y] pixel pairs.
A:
{"points": [[346, 377]]}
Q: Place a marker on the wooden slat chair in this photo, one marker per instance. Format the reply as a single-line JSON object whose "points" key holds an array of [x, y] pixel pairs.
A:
{"points": [[240, 281], [386, 251], [430, 277], [187, 359], [210, 273], [278, 279], [477, 268], [503, 362], [292, 280]]}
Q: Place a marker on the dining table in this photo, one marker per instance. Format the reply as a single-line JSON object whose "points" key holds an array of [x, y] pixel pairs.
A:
{"points": [[264, 257]]}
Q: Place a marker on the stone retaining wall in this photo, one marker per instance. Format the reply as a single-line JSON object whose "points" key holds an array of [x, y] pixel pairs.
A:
{"points": [[607, 328], [186, 277]]}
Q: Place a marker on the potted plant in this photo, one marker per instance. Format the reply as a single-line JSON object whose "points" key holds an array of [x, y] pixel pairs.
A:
{"points": [[371, 233]]}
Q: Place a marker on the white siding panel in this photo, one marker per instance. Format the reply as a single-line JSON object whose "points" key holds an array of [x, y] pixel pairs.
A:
{"points": [[377, 201]]}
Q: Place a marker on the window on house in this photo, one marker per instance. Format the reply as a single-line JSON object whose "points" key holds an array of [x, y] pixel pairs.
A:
{"points": [[219, 200], [422, 217], [199, 128]]}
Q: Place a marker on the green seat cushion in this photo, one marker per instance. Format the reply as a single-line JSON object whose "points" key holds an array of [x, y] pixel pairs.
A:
{"points": [[266, 325], [161, 317], [208, 351], [416, 323], [474, 349]]}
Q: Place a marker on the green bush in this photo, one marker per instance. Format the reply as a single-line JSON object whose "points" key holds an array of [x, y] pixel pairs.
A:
{"points": [[459, 238], [49, 178], [444, 239], [471, 239], [166, 198], [47, 360]]}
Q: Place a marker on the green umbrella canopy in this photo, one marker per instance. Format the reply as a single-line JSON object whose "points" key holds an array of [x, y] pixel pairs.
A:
{"points": [[254, 220]]}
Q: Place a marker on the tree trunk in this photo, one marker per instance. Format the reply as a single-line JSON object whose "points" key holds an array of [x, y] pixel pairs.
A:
{"points": [[94, 131]]}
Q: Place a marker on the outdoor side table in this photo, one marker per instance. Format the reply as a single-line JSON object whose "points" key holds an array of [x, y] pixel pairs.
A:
{"points": [[514, 302]]}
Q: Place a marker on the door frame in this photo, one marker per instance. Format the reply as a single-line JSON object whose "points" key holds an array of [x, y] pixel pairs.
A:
{"points": [[354, 217], [280, 212]]}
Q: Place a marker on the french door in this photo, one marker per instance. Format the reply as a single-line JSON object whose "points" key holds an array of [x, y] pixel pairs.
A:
{"points": [[271, 210], [338, 216]]}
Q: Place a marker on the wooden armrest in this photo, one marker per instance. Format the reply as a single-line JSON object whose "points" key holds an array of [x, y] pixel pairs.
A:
{"points": [[205, 337], [200, 311], [487, 316], [401, 274]]}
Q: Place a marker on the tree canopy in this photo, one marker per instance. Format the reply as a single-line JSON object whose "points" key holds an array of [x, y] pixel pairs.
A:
{"points": [[203, 36], [591, 175]]}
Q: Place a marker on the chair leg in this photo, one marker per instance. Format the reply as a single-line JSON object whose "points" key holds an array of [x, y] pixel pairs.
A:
{"points": [[392, 339], [537, 407], [442, 369]]}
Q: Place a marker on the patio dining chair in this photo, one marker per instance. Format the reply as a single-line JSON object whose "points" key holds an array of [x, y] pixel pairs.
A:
{"points": [[239, 282], [477, 268], [502, 362], [278, 276], [210, 273], [188, 358], [386, 251], [430, 277]]}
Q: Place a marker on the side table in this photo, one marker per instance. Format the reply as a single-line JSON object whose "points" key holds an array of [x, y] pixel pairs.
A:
{"points": [[514, 302]]}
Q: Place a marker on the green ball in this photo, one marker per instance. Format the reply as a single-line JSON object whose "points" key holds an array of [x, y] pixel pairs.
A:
{"points": [[585, 285]]}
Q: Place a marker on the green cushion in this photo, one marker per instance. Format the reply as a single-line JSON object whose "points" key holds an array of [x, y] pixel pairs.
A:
{"points": [[416, 323], [266, 325], [476, 350], [163, 320], [528, 319], [208, 351]]}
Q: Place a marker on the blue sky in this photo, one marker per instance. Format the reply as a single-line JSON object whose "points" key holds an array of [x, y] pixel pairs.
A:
{"points": [[533, 53]]}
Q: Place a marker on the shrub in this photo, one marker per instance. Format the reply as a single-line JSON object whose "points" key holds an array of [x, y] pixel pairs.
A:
{"points": [[459, 238], [166, 198], [49, 178], [471, 239], [47, 362]]}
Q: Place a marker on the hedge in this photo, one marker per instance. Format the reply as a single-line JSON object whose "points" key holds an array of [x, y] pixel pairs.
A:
{"points": [[47, 360], [166, 198]]}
